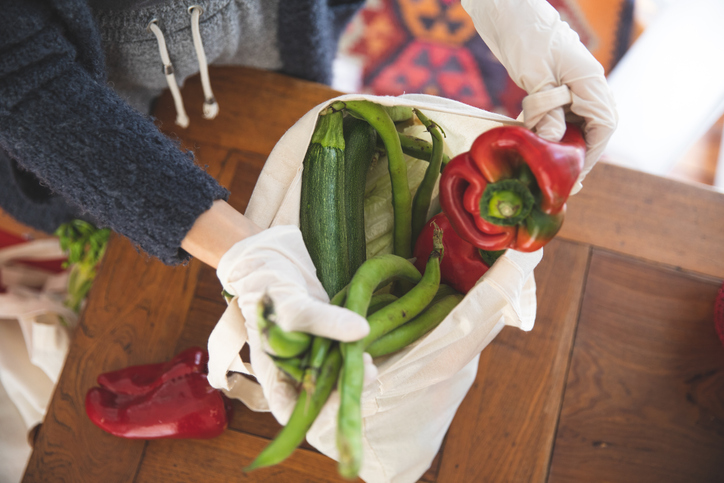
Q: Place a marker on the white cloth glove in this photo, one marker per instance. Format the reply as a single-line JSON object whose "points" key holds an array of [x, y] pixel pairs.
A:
{"points": [[545, 57], [276, 262]]}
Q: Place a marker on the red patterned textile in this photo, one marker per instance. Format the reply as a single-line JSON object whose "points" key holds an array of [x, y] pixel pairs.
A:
{"points": [[431, 46]]}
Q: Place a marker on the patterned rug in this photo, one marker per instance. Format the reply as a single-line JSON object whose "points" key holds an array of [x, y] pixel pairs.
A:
{"points": [[431, 47]]}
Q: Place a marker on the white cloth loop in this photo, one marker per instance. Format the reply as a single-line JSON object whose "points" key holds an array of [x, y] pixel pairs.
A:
{"points": [[182, 119], [211, 107], [541, 53], [229, 334], [538, 104]]}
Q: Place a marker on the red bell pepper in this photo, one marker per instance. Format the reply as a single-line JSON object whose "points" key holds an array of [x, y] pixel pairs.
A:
{"points": [[143, 379], [463, 264], [510, 189], [167, 400]]}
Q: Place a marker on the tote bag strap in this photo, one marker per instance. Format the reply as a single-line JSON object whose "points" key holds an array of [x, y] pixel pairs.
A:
{"points": [[226, 368]]}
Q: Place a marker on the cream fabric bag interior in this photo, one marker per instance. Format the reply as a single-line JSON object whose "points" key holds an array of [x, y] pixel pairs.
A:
{"points": [[410, 406]]}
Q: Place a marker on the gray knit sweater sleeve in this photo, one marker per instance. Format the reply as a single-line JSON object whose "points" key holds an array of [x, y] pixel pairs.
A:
{"points": [[87, 145]]}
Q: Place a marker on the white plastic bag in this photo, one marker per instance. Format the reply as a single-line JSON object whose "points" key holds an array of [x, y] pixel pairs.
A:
{"points": [[408, 409]]}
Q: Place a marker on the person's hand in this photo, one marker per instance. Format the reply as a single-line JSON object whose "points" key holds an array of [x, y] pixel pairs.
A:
{"points": [[276, 263], [545, 57]]}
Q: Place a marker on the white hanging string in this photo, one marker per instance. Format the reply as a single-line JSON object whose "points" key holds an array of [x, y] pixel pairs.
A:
{"points": [[181, 118], [211, 107]]}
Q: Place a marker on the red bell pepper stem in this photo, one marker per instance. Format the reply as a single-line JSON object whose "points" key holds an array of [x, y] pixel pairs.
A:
{"points": [[459, 176], [183, 407], [144, 378]]}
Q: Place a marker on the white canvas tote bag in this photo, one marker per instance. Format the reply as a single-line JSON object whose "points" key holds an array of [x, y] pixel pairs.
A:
{"points": [[408, 409]]}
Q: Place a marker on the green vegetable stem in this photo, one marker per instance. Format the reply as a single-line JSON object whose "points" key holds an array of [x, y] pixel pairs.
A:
{"points": [[85, 245], [411, 331]]}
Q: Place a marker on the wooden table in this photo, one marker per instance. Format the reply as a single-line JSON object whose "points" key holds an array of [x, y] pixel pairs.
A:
{"points": [[621, 380]]}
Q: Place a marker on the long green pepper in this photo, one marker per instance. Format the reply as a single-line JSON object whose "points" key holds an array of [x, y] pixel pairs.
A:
{"points": [[369, 277], [306, 410], [378, 118], [380, 301], [423, 195], [420, 149], [317, 355], [409, 305], [411, 331]]}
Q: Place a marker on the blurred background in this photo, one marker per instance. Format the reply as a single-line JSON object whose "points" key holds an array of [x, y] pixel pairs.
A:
{"points": [[664, 60]]}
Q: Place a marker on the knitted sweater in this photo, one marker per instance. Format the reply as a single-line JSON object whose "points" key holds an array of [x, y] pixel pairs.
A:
{"points": [[71, 147]]}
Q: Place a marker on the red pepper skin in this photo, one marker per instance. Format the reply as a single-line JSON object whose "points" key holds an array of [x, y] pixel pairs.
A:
{"points": [[556, 166], [461, 266], [461, 186], [144, 378], [183, 407], [538, 229]]}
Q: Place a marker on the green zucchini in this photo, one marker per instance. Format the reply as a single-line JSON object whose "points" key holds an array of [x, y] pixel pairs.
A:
{"points": [[360, 140], [322, 219]]}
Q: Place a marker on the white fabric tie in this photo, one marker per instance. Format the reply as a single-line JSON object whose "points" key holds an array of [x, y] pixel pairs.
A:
{"points": [[536, 106], [211, 107], [181, 118]]}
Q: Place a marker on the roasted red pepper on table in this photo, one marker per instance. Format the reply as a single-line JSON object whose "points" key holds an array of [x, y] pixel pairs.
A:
{"points": [[463, 264], [165, 400], [143, 379], [510, 189]]}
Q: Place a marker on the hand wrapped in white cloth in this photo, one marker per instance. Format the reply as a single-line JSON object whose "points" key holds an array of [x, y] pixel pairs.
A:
{"points": [[276, 262], [544, 56]]}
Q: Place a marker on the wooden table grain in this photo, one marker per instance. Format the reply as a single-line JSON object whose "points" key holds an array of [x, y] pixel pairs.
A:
{"points": [[622, 378]]}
